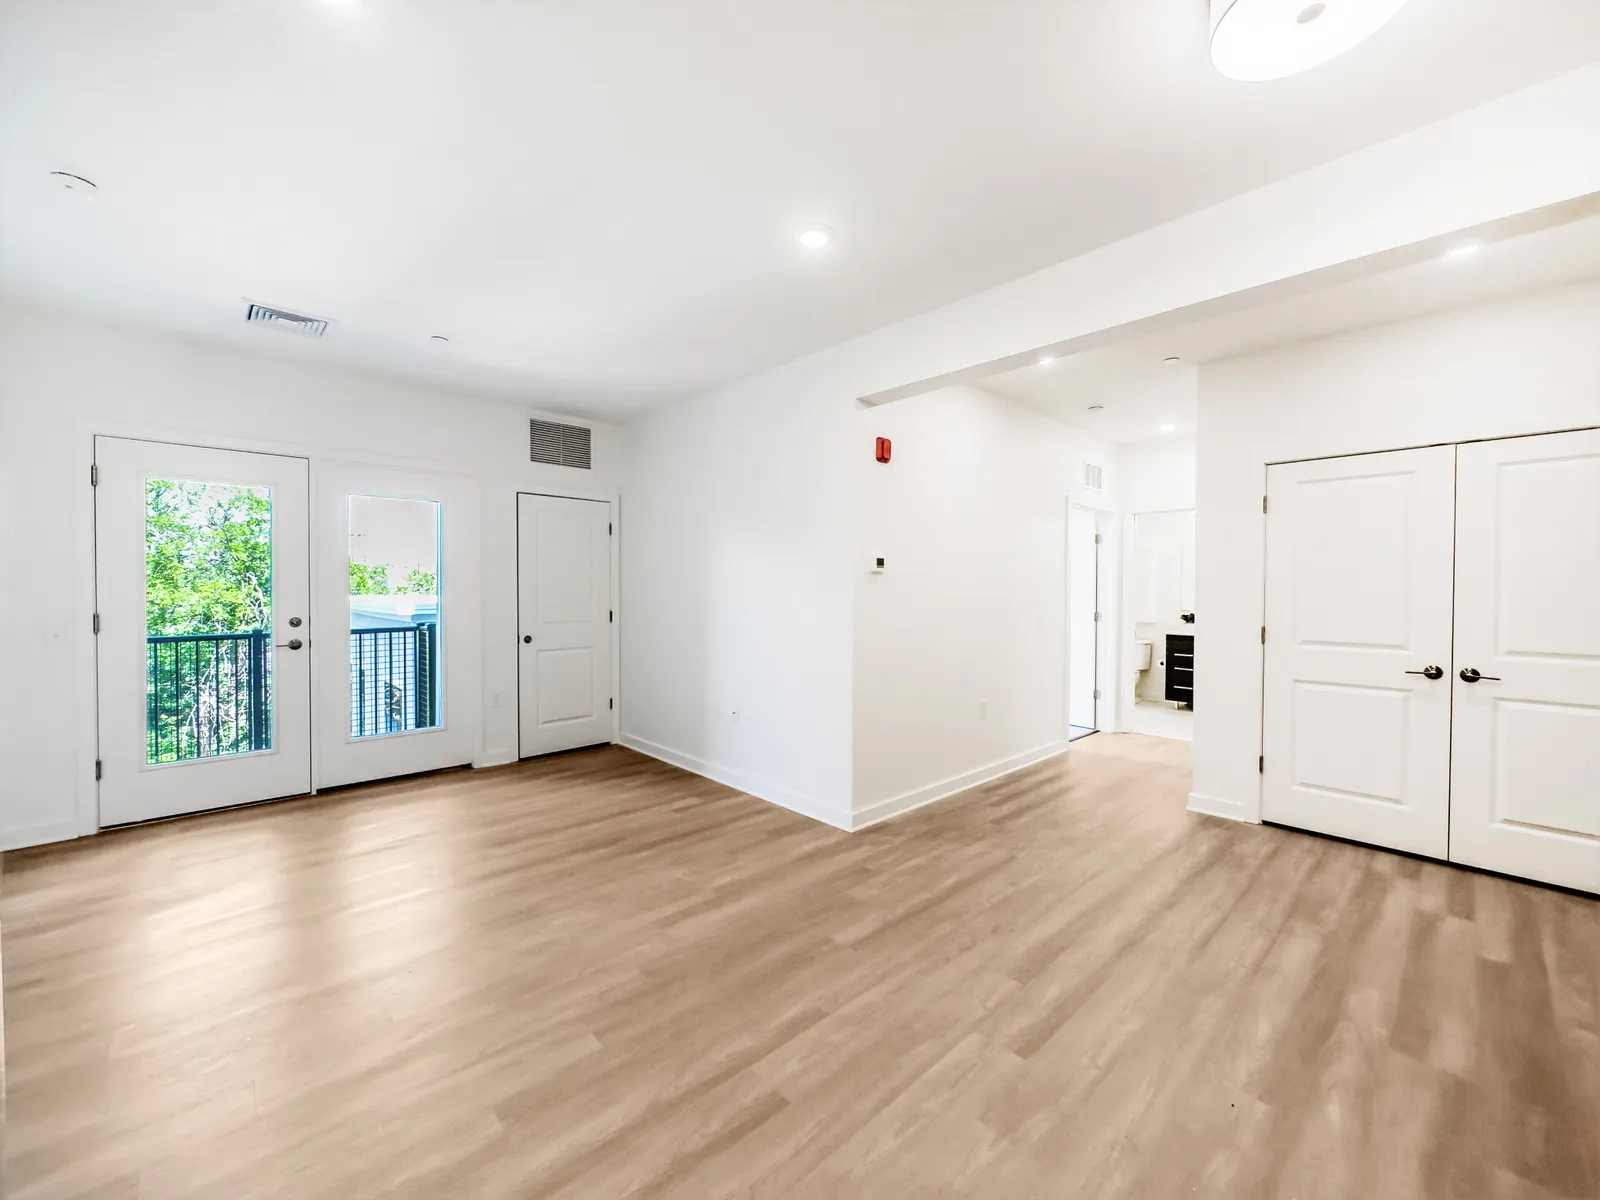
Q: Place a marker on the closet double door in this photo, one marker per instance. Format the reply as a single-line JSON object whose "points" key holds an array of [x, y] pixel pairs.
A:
{"points": [[1432, 675]]}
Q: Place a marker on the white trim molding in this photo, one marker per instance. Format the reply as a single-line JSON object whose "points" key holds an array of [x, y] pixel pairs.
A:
{"points": [[906, 801], [739, 781], [1216, 806]]}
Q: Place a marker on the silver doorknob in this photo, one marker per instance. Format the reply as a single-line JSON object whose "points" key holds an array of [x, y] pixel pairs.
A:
{"points": [[1430, 672], [1472, 675]]}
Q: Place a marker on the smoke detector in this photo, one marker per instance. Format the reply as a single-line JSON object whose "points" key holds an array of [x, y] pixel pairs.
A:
{"points": [[282, 318]]}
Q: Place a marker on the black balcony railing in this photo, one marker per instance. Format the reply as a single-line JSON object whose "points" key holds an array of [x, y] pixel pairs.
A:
{"points": [[210, 694], [207, 694], [394, 679]]}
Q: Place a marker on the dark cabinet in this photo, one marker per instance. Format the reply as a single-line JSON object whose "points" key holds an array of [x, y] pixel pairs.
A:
{"points": [[1180, 668]]}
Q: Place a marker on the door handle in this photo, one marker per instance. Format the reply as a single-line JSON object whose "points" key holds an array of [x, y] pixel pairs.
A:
{"points": [[527, 638], [1430, 671], [291, 644], [1472, 675]]}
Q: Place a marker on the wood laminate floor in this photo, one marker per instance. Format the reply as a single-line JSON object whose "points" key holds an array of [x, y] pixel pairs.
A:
{"points": [[596, 976]]}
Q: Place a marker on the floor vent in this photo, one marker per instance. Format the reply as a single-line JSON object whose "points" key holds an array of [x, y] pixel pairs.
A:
{"points": [[281, 318], [1093, 476], [559, 445]]}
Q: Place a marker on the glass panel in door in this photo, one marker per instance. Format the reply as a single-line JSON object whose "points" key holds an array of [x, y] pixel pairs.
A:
{"points": [[208, 619], [395, 638]]}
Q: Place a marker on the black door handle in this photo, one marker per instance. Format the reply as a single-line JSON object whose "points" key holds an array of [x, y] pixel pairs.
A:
{"points": [[1431, 672], [527, 637], [1472, 675]]}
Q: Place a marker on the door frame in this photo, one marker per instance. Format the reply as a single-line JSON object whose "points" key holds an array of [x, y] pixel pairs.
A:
{"points": [[86, 820], [614, 508], [1105, 700]]}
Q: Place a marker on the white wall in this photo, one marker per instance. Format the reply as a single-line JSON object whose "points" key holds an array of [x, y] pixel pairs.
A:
{"points": [[736, 593], [1157, 476], [970, 516], [1516, 366], [63, 380], [740, 589]]}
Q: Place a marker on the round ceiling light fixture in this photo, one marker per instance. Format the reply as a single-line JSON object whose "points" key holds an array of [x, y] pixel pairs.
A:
{"points": [[1257, 40], [437, 337], [1097, 408], [1171, 360], [74, 183], [815, 237], [1168, 427], [1046, 359]]}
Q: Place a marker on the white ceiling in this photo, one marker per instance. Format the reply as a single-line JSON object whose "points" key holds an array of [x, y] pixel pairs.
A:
{"points": [[1140, 393], [597, 201]]}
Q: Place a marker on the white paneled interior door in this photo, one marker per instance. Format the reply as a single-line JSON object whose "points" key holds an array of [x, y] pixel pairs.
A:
{"points": [[1525, 794], [1356, 738], [564, 629]]}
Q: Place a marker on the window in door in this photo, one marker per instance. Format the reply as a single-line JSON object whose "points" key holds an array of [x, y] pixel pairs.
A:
{"points": [[395, 645], [208, 620]]}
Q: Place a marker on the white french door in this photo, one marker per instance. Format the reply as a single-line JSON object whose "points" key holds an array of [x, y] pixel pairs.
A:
{"points": [[1525, 796], [202, 599], [398, 615], [1356, 715], [564, 623]]}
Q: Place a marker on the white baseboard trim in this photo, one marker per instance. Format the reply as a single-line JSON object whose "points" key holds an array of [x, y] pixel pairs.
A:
{"points": [[739, 781], [39, 835], [895, 805], [494, 758], [1215, 806]]}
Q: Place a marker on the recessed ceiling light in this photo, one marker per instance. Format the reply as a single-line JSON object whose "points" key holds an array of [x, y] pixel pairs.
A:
{"points": [[1168, 427], [1172, 360], [1097, 408], [438, 337], [815, 237], [1257, 40], [1465, 250], [1046, 359]]}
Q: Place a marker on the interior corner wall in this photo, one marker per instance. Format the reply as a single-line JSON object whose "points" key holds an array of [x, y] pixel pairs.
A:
{"points": [[736, 637], [961, 647], [1525, 365], [63, 379]]}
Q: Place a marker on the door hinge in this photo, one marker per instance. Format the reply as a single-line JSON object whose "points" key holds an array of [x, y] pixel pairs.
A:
{"points": [[1097, 539], [1097, 616], [98, 769], [1261, 765], [611, 703], [1263, 504], [97, 623], [94, 475], [609, 529], [1263, 635], [611, 615], [1097, 693]]}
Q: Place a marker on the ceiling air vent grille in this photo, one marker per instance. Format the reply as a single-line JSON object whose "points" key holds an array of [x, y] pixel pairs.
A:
{"points": [[1093, 477], [559, 445], [280, 318]]}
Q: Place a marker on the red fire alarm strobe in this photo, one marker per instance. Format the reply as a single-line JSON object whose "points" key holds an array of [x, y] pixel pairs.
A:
{"points": [[883, 449]]}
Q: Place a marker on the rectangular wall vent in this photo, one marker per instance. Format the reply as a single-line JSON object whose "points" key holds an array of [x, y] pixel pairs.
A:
{"points": [[559, 445], [1093, 477], [281, 318]]}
